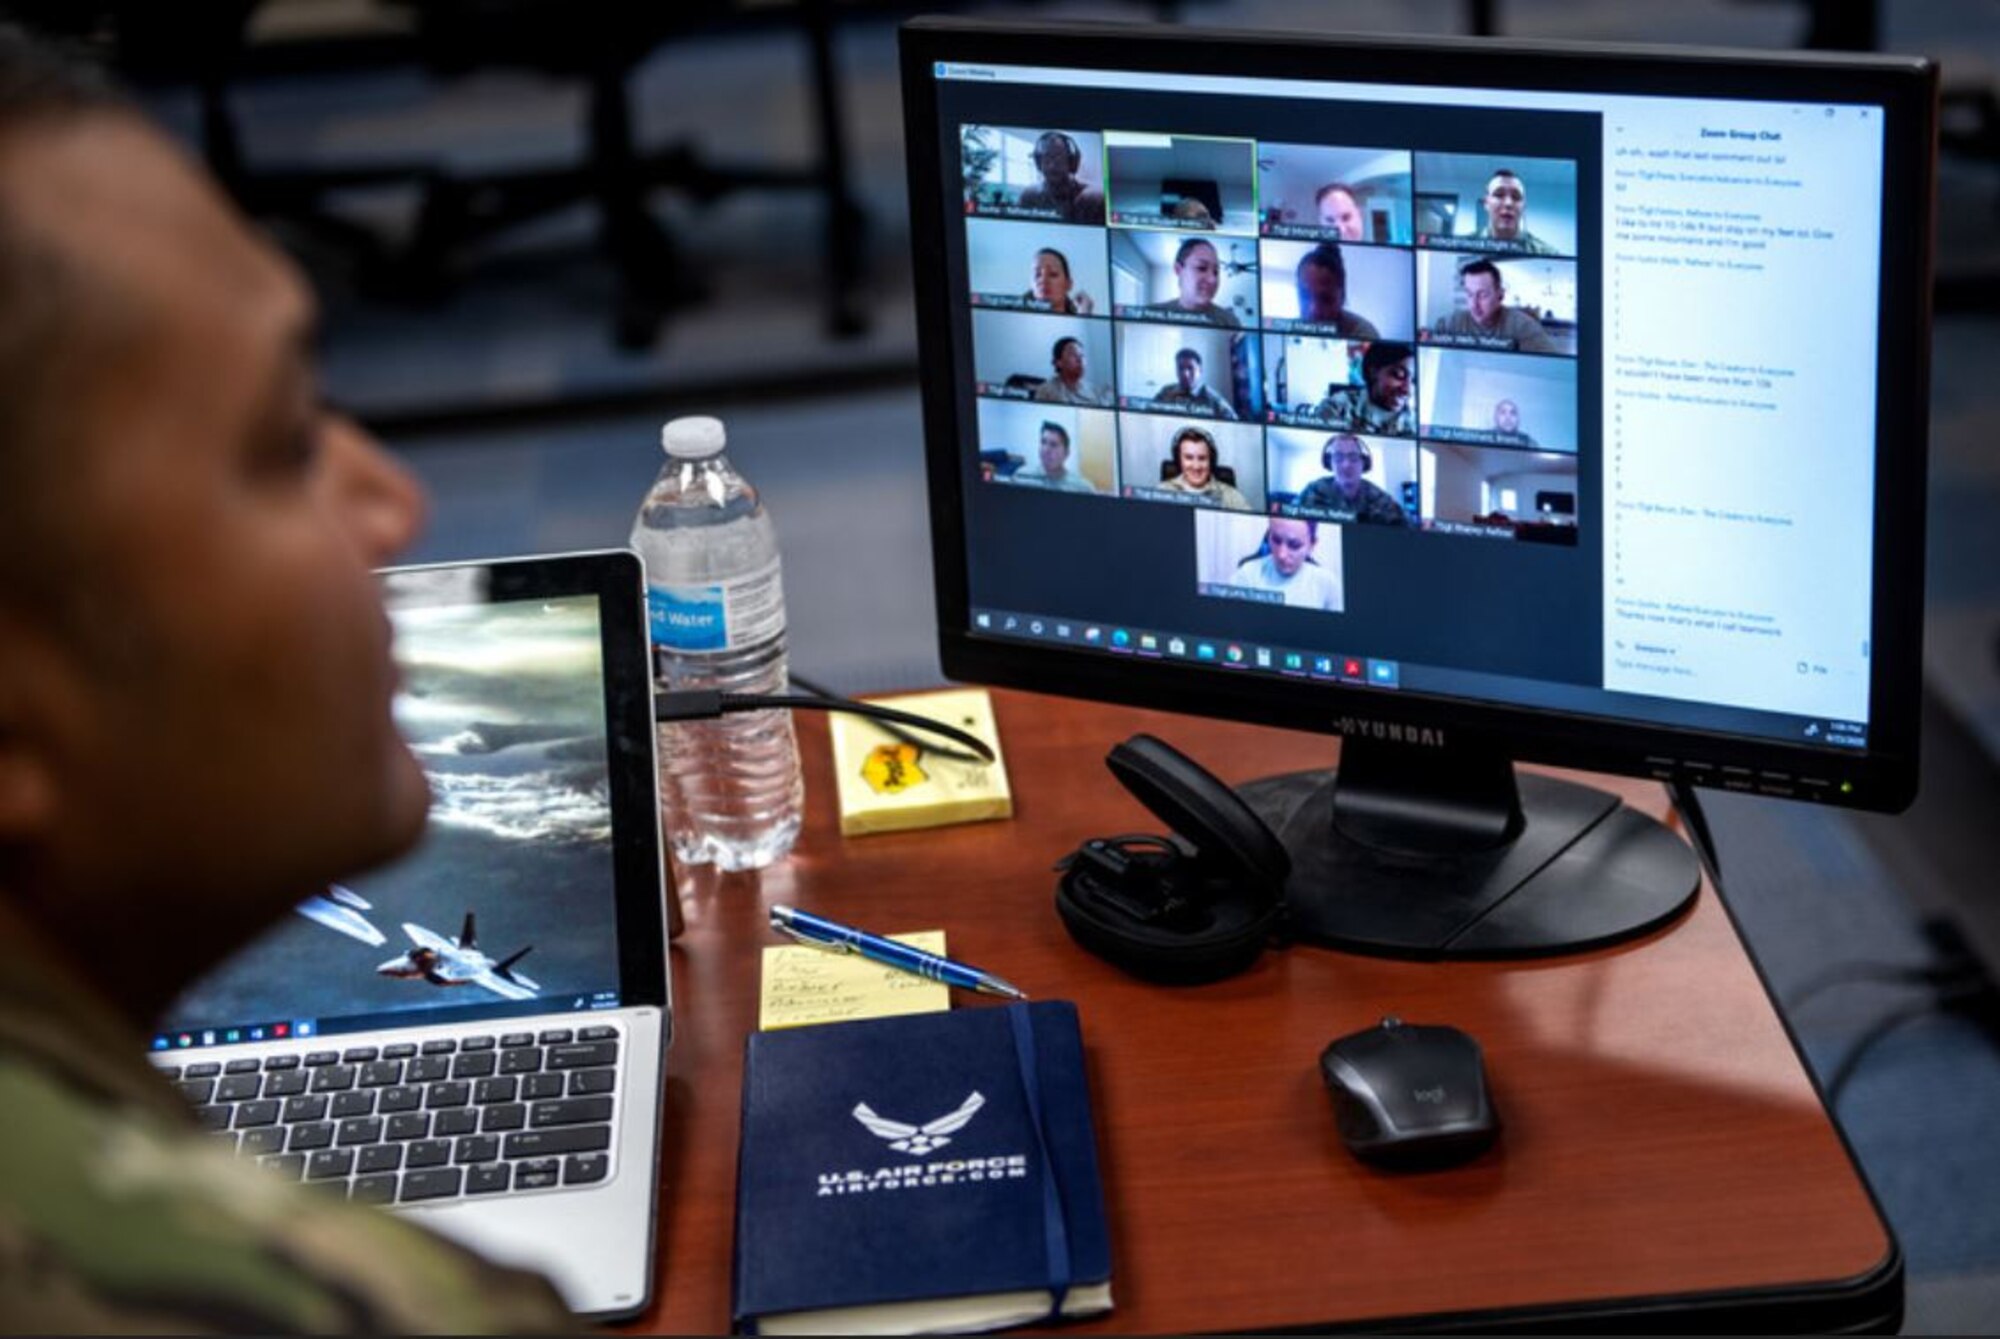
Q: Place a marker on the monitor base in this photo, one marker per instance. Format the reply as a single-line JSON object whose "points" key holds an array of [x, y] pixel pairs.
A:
{"points": [[1566, 868]]}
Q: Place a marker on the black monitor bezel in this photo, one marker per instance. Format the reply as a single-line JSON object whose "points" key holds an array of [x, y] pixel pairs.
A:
{"points": [[1881, 777]]}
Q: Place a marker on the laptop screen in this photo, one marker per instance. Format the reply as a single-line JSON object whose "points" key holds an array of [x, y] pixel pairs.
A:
{"points": [[508, 906]]}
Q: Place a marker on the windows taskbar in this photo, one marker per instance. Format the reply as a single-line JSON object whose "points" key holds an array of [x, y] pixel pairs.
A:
{"points": [[1225, 653], [1354, 670], [304, 1029]]}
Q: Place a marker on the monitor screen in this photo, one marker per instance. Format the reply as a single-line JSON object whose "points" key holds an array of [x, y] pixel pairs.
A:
{"points": [[517, 689], [1567, 399]]}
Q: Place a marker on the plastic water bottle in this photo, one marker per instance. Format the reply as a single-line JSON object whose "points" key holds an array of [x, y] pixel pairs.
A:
{"points": [[730, 789]]}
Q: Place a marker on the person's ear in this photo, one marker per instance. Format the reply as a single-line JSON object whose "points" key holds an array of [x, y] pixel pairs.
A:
{"points": [[27, 795], [28, 787]]}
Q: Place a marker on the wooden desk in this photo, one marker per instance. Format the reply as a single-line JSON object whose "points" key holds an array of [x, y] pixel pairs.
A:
{"points": [[1663, 1146]]}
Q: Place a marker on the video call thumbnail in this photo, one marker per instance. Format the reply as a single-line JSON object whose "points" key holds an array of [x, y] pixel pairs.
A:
{"points": [[1477, 202], [1035, 173], [1035, 267], [1342, 195], [1355, 292], [1269, 560], [1189, 182], [1158, 276], [1341, 477], [1195, 371], [1315, 381], [1164, 458], [1519, 304], [1499, 493], [1053, 359], [1048, 446], [1498, 399]]}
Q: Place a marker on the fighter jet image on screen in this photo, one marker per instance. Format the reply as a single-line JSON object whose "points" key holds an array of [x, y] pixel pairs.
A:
{"points": [[443, 963], [340, 909]]}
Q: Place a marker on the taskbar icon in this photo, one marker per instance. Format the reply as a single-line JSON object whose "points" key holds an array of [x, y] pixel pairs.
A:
{"points": [[195, 1038]]}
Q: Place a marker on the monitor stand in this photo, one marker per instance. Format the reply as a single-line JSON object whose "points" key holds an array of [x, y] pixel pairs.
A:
{"points": [[1443, 852]]}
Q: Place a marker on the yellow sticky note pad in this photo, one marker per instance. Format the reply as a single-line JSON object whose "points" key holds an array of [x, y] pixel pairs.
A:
{"points": [[810, 985], [887, 784]]}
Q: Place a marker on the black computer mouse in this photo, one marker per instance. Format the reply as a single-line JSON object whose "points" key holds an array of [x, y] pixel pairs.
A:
{"points": [[1410, 1095]]}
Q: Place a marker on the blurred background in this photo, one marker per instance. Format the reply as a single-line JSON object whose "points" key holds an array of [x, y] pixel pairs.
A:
{"points": [[539, 229]]}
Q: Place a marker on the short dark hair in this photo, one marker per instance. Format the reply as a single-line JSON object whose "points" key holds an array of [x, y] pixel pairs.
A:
{"points": [[1382, 353], [1055, 141], [1508, 172], [1050, 425], [1327, 256], [40, 81], [1181, 255], [1187, 353], [44, 295], [1055, 354], [1481, 266], [1333, 186]]}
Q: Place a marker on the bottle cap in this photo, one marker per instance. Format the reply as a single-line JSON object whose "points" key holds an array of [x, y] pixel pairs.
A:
{"points": [[693, 438]]}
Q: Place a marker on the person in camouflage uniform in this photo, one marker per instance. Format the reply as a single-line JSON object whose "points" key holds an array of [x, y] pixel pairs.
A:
{"points": [[1344, 494], [1381, 403], [195, 732]]}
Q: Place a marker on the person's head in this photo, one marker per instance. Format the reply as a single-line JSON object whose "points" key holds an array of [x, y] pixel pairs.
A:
{"points": [[1347, 456], [1506, 417], [195, 680], [1057, 158], [1385, 371], [1051, 277], [1067, 359], [1189, 210], [1198, 272], [1194, 455], [1291, 542], [1340, 210], [1054, 447], [1322, 281], [1506, 204], [1187, 369], [1484, 292]]}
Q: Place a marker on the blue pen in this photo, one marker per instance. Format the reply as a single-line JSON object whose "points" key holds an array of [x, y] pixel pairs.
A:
{"points": [[821, 933]]}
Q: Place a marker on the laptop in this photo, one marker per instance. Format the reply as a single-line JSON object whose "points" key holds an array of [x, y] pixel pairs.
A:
{"points": [[474, 1036]]}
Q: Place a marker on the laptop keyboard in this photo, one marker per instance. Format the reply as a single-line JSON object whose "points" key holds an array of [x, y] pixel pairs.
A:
{"points": [[415, 1122]]}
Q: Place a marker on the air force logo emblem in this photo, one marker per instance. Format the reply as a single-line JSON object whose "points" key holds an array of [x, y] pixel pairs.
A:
{"points": [[919, 1140]]}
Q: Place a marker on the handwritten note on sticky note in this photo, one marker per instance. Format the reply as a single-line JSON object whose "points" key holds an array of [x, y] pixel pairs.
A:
{"points": [[809, 985]]}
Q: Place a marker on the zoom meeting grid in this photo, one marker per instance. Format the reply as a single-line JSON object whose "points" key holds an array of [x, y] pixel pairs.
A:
{"points": [[1343, 334]]}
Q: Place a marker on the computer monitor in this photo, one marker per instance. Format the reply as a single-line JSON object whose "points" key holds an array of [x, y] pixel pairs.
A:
{"points": [[1475, 401]]}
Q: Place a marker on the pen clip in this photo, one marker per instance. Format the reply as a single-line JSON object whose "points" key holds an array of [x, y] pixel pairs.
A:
{"points": [[810, 940]]}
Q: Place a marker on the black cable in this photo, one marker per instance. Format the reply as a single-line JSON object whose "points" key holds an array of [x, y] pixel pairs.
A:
{"points": [[890, 728], [813, 686], [1936, 976], [1882, 1027], [704, 704], [1949, 1001], [1683, 797]]}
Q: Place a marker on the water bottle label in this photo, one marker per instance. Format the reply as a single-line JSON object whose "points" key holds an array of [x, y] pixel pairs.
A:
{"points": [[687, 618], [722, 616]]}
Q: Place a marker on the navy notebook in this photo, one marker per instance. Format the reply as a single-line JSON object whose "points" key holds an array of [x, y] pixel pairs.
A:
{"points": [[922, 1173]]}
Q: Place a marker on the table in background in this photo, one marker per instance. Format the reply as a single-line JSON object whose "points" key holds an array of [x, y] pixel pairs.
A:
{"points": [[1663, 1147]]}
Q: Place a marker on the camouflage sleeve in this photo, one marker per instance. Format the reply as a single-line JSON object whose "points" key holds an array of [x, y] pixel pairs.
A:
{"points": [[112, 1220]]}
